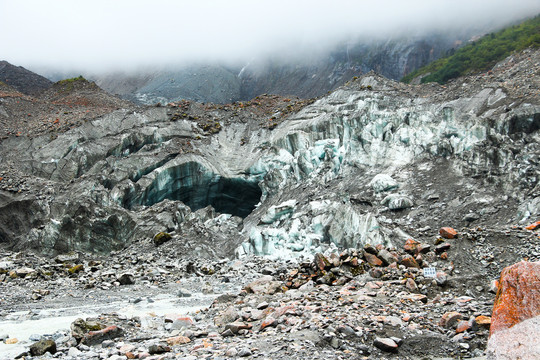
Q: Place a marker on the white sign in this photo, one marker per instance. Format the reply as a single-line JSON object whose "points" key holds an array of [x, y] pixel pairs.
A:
{"points": [[430, 272]]}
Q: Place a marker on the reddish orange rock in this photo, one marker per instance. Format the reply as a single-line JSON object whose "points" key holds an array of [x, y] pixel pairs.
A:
{"points": [[410, 246], [448, 233], [409, 262], [178, 340], [449, 319], [533, 226], [518, 295], [97, 337], [283, 310], [184, 321], [372, 259], [463, 326], [321, 261], [269, 321], [483, 321]]}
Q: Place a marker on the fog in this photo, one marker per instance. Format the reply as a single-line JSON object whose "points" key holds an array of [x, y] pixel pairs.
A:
{"points": [[101, 35]]}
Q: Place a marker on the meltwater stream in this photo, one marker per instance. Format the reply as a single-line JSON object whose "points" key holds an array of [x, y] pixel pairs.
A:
{"points": [[23, 324]]}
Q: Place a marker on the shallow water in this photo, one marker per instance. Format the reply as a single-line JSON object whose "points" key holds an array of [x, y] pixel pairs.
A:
{"points": [[22, 325]]}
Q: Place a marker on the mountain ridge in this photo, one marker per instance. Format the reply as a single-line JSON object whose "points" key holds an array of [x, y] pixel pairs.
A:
{"points": [[22, 79]]}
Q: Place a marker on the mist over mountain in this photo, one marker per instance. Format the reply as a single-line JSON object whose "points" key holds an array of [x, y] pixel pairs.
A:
{"points": [[126, 35], [307, 76], [212, 51]]}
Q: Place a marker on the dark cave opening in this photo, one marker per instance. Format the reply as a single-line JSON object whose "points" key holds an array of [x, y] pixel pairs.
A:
{"points": [[197, 187]]}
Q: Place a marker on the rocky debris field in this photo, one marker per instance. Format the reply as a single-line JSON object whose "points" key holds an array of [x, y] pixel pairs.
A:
{"points": [[424, 300], [65, 105], [266, 110], [371, 223]]}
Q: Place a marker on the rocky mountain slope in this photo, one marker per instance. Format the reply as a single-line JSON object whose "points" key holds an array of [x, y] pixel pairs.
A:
{"points": [[23, 80], [304, 75], [64, 105], [367, 168], [480, 55]]}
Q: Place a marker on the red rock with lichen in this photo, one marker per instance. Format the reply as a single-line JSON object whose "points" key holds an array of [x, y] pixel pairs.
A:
{"points": [[518, 295], [483, 321], [410, 246], [372, 259], [409, 262], [448, 233]]}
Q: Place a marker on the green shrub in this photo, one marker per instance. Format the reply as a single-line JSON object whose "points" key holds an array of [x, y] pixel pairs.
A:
{"points": [[481, 55]]}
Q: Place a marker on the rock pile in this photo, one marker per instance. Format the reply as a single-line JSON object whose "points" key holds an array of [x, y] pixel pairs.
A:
{"points": [[373, 302]]}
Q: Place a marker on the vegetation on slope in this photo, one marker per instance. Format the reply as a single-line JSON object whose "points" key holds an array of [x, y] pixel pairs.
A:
{"points": [[72, 80], [69, 85], [481, 55]]}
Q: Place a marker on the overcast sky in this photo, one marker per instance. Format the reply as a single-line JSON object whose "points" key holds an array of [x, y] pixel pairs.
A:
{"points": [[121, 34]]}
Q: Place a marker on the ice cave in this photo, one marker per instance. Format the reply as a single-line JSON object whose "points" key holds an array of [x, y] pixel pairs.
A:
{"points": [[197, 187]]}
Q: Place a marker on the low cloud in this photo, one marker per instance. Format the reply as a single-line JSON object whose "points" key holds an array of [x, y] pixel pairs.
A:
{"points": [[118, 35]]}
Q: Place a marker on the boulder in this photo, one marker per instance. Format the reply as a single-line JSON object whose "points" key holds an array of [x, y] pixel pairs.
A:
{"points": [[268, 322], [386, 344], [483, 321], [409, 262], [80, 327], [410, 246], [161, 238], [25, 272], [126, 279], [42, 347], [158, 349], [70, 257], [321, 261], [448, 233], [182, 322], [178, 340], [228, 316], [439, 249], [410, 284], [463, 326], [383, 182], [236, 326], [397, 202], [518, 296], [97, 337], [264, 285], [450, 319], [372, 259], [387, 257]]}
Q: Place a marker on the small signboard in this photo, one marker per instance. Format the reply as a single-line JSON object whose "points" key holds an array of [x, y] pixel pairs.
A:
{"points": [[430, 272]]}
